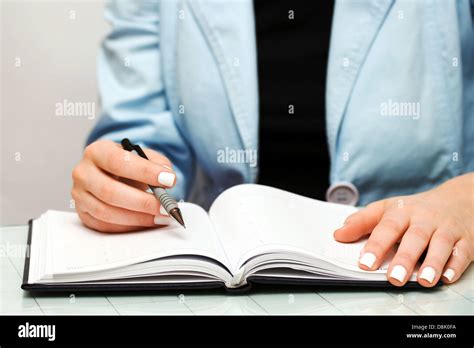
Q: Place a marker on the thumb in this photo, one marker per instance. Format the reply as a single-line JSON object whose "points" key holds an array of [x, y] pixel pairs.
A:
{"points": [[360, 223]]}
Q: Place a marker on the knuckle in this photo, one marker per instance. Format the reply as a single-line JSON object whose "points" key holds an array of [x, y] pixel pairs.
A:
{"points": [[106, 193], [387, 203], [405, 258], [428, 213], [114, 164], [374, 245], [145, 220], [418, 232], [100, 212], [390, 224], [149, 205], [90, 150], [375, 206], [445, 237], [452, 225], [77, 174]]}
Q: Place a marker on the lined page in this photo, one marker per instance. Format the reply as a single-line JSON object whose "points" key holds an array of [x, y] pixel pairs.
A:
{"points": [[76, 248]]}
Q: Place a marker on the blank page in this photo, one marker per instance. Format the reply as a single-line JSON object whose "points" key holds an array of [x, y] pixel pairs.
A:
{"points": [[76, 248], [254, 219]]}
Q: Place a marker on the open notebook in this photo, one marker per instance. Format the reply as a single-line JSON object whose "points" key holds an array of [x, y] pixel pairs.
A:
{"points": [[251, 234]]}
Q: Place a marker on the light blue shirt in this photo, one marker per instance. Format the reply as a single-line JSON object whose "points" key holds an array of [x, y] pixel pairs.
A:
{"points": [[181, 78]]}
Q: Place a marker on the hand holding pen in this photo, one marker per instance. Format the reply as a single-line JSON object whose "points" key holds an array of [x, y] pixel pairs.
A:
{"points": [[167, 202], [109, 187]]}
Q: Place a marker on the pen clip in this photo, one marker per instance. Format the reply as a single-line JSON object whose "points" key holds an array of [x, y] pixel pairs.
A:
{"points": [[140, 152], [127, 145]]}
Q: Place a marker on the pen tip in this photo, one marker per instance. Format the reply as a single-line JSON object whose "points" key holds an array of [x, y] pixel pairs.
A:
{"points": [[176, 214]]}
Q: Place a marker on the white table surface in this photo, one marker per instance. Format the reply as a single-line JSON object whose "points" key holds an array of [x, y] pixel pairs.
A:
{"points": [[453, 299]]}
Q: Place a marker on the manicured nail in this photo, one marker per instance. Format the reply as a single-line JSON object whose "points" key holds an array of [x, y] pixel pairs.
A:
{"points": [[163, 211], [368, 259], [166, 179], [428, 274], [398, 273], [449, 274], [162, 220]]}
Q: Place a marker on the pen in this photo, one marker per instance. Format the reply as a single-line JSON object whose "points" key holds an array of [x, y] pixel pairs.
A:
{"points": [[167, 202]]}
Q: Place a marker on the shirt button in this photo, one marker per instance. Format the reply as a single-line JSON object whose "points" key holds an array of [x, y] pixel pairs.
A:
{"points": [[342, 193]]}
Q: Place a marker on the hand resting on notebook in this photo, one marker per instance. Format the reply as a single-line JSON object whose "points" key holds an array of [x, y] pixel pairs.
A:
{"points": [[439, 222], [110, 184]]}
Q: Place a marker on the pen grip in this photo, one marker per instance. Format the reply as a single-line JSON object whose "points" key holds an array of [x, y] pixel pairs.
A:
{"points": [[165, 199]]}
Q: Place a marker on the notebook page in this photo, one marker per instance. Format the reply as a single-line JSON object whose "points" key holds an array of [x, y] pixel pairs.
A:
{"points": [[77, 249], [253, 219]]}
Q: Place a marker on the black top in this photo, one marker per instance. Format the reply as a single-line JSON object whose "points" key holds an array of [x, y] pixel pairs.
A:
{"points": [[292, 48]]}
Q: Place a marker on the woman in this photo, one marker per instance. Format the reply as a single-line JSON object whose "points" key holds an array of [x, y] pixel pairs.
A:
{"points": [[193, 81]]}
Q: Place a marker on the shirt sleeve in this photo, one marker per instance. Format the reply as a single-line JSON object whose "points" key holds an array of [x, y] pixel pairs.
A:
{"points": [[132, 92]]}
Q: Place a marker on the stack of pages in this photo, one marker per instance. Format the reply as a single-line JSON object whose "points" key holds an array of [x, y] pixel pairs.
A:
{"points": [[251, 234]]}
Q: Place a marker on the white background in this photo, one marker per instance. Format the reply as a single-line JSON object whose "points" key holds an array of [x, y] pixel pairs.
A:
{"points": [[58, 62]]}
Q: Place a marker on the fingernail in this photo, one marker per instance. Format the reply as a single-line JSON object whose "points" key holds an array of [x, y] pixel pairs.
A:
{"points": [[428, 274], [368, 259], [162, 220], [449, 274], [163, 211], [398, 273], [166, 179]]}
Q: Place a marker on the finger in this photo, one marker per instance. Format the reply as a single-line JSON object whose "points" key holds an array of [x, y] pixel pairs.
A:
{"points": [[139, 185], [155, 156], [360, 223], [102, 226], [125, 164], [116, 193], [158, 158], [152, 156], [413, 244], [457, 263], [440, 248], [383, 238], [118, 216]]}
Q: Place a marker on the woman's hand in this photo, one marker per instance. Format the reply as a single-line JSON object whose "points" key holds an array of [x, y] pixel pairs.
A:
{"points": [[109, 188], [439, 221]]}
